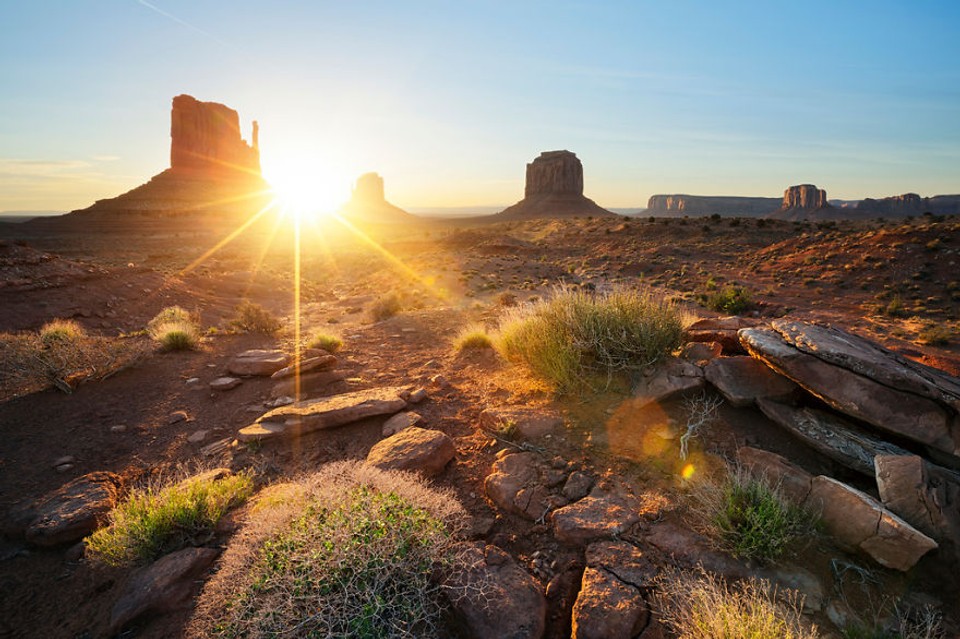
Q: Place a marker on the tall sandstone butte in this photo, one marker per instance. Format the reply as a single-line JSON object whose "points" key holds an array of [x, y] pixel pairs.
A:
{"points": [[212, 169], [804, 202], [369, 204], [554, 188], [205, 136]]}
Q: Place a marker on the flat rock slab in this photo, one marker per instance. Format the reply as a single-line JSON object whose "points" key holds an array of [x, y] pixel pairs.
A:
{"points": [[671, 377], [74, 510], [701, 352], [417, 449], [923, 494], [599, 515], [722, 330], [742, 380], [624, 561], [166, 585], [257, 362], [310, 384], [607, 608], [690, 549], [318, 363], [526, 422], [907, 414], [793, 481], [327, 412], [858, 521], [225, 383], [494, 597], [836, 438]]}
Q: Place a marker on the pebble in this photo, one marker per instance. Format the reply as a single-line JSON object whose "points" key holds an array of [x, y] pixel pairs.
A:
{"points": [[193, 380], [118, 428], [197, 437], [178, 416], [66, 459]]}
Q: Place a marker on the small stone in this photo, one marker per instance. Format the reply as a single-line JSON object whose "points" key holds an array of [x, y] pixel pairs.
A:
{"points": [[178, 416], [427, 451], [118, 428], [66, 459], [62, 468], [577, 486], [283, 400], [418, 396], [399, 422], [192, 380], [73, 511], [197, 436], [225, 383]]}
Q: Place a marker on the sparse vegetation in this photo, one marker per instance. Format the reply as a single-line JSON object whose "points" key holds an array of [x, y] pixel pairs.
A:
{"points": [[732, 300], [385, 307], [61, 331], [348, 552], [161, 518], [575, 333], [701, 605], [325, 342], [473, 337], [254, 318], [935, 334], [750, 518], [175, 329]]}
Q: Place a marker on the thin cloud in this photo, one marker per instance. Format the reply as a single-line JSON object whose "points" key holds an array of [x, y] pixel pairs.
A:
{"points": [[182, 23]]}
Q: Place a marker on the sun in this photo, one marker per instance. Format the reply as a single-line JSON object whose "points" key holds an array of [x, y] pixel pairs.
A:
{"points": [[306, 190]]}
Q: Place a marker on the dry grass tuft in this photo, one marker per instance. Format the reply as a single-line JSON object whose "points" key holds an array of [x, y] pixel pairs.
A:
{"points": [[385, 307], [347, 552], [701, 605], [576, 333], [325, 342], [254, 318], [471, 338], [61, 331], [175, 329]]}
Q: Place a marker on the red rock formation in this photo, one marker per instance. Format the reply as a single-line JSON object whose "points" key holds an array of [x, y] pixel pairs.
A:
{"points": [[205, 136], [677, 205], [554, 188], [804, 196], [368, 203]]}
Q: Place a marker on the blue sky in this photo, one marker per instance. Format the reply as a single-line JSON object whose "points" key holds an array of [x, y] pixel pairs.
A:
{"points": [[449, 100]]}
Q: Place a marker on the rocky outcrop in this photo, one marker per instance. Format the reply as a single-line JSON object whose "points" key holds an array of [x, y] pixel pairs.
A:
{"points": [[600, 515], [554, 188], [908, 204], [205, 138], [863, 380], [694, 205], [925, 495], [414, 449], [803, 201], [743, 380], [369, 204], [74, 510], [212, 169]]}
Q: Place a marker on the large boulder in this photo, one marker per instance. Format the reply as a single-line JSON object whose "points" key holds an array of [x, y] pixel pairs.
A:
{"points": [[858, 521], [925, 495], [417, 449], [888, 408], [74, 510], [515, 485], [601, 514], [743, 380], [607, 608], [494, 597], [669, 378], [327, 412]]}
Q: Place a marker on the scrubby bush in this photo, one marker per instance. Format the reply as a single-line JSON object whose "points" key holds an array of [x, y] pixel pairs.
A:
{"points": [[385, 307], [161, 518], [751, 518], [575, 333], [60, 331], [732, 300], [175, 329], [347, 552], [254, 318], [473, 337], [700, 605], [934, 334], [325, 342]]}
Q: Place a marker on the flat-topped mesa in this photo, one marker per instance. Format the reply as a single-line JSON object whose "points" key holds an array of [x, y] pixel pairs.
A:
{"points": [[804, 196], [554, 172], [369, 204], [554, 188], [693, 205], [205, 137]]}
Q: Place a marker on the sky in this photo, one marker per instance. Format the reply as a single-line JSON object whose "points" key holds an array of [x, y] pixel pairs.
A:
{"points": [[448, 100]]}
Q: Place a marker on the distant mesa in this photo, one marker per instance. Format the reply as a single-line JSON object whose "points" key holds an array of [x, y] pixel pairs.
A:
{"points": [[909, 204], [554, 188], [804, 202], [212, 169], [699, 205], [368, 203]]}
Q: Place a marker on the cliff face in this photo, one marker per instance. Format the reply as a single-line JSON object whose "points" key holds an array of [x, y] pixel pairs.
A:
{"points": [[368, 203], [212, 169], [909, 204], [205, 136], [804, 196], [554, 188], [677, 205]]}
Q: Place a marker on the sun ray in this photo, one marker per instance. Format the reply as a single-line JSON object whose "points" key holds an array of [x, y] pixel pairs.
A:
{"points": [[229, 238]]}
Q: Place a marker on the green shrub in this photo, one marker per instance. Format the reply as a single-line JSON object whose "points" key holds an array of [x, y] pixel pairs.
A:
{"points": [[732, 300], [60, 331], [347, 552], [385, 307], [701, 605], [158, 519], [175, 329], [752, 519], [253, 318], [325, 342], [933, 334], [576, 333], [473, 337]]}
